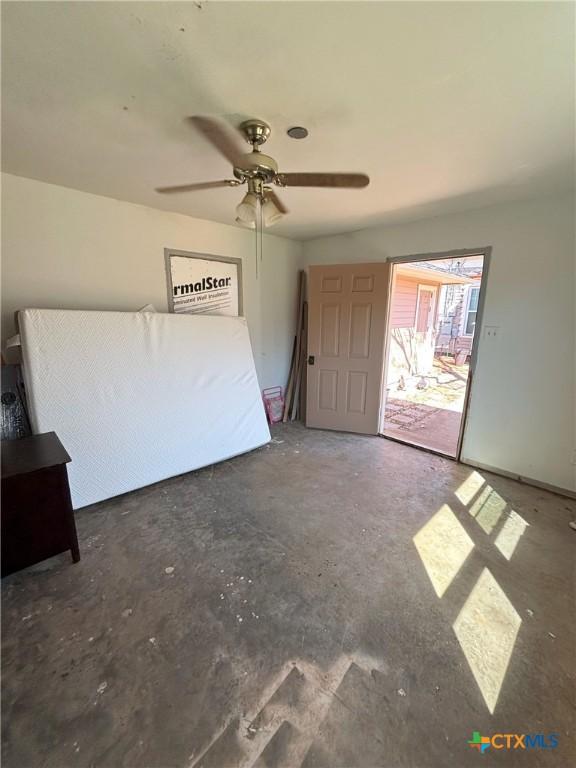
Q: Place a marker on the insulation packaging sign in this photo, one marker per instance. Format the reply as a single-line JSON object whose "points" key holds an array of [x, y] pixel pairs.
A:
{"points": [[199, 284]]}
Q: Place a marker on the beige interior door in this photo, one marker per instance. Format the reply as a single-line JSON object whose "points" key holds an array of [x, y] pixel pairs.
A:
{"points": [[347, 306]]}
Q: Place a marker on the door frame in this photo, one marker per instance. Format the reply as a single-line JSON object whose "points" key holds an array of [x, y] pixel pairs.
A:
{"points": [[486, 252]]}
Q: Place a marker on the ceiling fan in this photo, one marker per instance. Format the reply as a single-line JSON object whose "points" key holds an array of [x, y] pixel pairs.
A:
{"points": [[258, 170]]}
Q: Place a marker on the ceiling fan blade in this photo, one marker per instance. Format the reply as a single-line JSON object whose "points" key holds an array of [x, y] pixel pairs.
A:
{"points": [[220, 136], [271, 195], [342, 180], [195, 187]]}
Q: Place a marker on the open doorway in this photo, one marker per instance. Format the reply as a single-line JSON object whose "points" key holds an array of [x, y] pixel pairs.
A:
{"points": [[433, 311]]}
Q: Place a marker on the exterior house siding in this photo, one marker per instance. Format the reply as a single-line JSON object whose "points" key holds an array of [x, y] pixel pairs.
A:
{"points": [[451, 337], [404, 340], [404, 300]]}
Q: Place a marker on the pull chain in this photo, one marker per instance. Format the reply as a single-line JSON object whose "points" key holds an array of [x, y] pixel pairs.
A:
{"points": [[261, 229], [258, 231], [256, 239]]}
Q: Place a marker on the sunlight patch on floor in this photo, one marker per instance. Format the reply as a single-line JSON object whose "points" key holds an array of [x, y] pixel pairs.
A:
{"points": [[510, 533], [486, 629], [443, 546], [488, 509], [469, 488]]}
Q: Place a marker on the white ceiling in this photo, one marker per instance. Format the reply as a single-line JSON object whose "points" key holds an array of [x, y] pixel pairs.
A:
{"points": [[447, 106]]}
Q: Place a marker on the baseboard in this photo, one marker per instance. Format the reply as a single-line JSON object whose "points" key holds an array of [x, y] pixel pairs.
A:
{"points": [[520, 478]]}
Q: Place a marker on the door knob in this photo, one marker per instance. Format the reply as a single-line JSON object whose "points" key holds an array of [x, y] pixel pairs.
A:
{"points": [[310, 359]]}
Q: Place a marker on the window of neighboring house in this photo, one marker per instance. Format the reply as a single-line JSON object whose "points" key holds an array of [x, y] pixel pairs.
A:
{"points": [[471, 311]]}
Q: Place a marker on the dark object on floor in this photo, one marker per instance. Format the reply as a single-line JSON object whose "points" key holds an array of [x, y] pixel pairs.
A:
{"points": [[15, 421], [37, 517]]}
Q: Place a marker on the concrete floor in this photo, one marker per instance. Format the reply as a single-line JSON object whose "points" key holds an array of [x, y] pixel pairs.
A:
{"points": [[327, 600]]}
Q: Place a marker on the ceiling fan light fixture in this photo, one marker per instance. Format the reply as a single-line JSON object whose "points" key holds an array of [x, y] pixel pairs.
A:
{"points": [[247, 224], [270, 212], [246, 210]]}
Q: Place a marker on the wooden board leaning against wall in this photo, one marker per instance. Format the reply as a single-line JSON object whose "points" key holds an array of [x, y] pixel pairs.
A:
{"points": [[295, 401]]}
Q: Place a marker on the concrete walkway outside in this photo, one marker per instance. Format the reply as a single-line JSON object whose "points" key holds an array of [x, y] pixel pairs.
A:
{"points": [[429, 417]]}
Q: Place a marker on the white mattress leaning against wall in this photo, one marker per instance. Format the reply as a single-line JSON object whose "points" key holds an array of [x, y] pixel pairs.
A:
{"points": [[136, 397]]}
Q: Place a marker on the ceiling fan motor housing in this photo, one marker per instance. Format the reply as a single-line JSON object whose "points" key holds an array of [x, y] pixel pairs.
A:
{"points": [[256, 165]]}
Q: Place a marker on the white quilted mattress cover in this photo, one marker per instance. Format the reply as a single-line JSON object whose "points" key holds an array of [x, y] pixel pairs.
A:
{"points": [[136, 397]]}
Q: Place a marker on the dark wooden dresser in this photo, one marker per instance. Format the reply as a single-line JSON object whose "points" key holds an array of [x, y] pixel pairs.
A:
{"points": [[37, 517]]}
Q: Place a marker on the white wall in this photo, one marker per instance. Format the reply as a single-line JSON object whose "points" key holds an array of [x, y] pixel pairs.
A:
{"points": [[63, 248], [522, 416], [69, 249]]}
